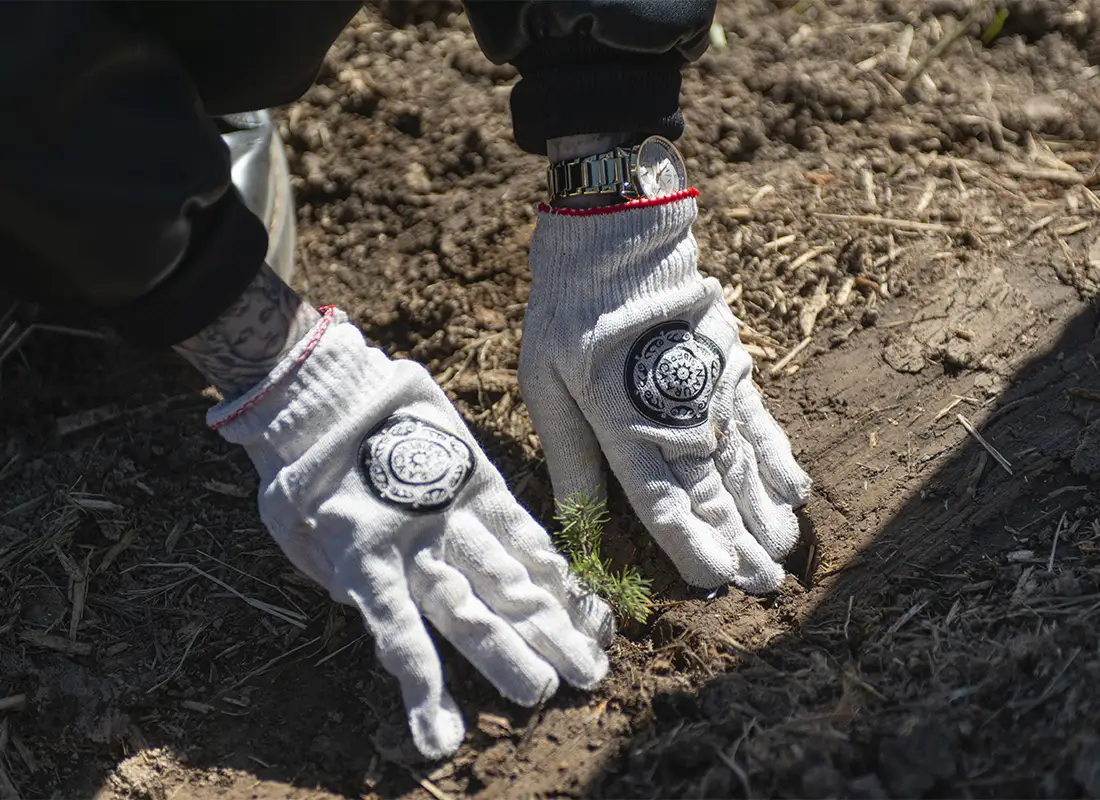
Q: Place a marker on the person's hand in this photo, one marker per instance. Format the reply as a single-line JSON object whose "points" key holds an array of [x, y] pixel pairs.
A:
{"points": [[628, 351], [373, 486]]}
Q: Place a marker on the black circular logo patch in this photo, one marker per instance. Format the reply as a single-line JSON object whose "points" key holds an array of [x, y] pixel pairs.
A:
{"points": [[671, 374], [411, 463]]}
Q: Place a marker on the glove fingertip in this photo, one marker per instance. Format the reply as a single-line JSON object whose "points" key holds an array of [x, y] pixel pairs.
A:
{"points": [[788, 482], [599, 620], [763, 581], [437, 731], [571, 486], [595, 675], [799, 485], [777, 530], [549, 688]]}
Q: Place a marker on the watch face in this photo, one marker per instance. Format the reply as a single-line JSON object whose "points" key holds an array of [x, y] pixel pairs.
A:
{"points": [[660, 168]]}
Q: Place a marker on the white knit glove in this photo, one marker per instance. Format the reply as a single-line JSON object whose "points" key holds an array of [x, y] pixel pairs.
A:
{"points": [[373, 486], [629, 351]]}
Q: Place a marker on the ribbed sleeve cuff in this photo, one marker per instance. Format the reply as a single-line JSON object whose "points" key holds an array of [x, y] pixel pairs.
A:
{"points": [[574, 86]]}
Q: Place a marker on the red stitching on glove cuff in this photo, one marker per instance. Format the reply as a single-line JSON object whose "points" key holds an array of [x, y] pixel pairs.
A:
{"points": [[647, 202], [329, 312]]}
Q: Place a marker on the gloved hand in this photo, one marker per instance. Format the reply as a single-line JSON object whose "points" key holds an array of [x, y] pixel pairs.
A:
{"points": [[373, 486], [629, 351]]}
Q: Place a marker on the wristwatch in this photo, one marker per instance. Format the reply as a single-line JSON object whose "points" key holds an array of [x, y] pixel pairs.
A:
{"points": [[651, 168]]}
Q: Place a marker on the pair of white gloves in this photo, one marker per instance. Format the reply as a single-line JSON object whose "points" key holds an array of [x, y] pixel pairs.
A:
{"points": [[374, 487]]}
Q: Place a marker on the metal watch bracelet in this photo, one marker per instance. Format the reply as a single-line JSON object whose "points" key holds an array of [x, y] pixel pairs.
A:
{"points": [[603, 173]]}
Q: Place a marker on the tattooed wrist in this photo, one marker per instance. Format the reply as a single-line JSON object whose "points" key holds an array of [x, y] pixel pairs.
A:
{"points": [[564, 148], [237, 350]]}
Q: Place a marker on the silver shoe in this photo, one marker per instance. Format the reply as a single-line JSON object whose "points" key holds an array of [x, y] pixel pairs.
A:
{"points": [[261, 175]]}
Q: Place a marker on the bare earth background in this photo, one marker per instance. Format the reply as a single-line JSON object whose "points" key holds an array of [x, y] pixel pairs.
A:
{"points": [[905, 221]]}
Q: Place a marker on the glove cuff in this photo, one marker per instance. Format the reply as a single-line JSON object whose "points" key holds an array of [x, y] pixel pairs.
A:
{"points": [[607, 257], [329, 373]]}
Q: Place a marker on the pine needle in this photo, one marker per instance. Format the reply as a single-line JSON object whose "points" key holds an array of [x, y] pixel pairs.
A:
{"points": [[582, 519]]}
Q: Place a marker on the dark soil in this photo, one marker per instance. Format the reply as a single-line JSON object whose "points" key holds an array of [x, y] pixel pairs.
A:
{"points": [[923, 215]]}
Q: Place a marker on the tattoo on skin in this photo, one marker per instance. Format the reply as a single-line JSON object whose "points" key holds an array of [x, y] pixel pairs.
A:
{"points": [[237, 350], [565, 148]]}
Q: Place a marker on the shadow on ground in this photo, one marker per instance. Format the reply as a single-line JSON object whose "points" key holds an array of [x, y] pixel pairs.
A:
{"points": [[956, 653], [949, 648]]}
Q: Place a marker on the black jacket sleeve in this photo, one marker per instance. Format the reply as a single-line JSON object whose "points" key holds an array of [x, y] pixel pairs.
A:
{"points": [[593, 66], [115, 189], [115, 192], [114, 185]]}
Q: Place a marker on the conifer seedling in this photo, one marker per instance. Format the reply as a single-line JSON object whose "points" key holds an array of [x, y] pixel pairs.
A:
{"points": [[582, 519]]}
